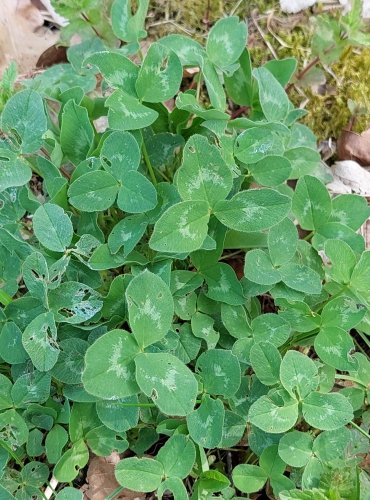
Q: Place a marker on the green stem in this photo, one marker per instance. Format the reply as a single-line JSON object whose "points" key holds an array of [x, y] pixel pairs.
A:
{"points": [[309, 236], [147, 162], [359, 346], [11, 452], [232, 254], [199, 85], [351, 379], [360, 429], [114, 493], [364, 338], [5, 299], [144, 405]]}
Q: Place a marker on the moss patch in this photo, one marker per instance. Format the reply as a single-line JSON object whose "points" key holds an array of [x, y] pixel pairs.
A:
{"points": [[289, 36]]}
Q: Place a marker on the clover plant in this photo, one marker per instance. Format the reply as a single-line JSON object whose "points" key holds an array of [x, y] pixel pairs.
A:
{"points": [[127, 322]]}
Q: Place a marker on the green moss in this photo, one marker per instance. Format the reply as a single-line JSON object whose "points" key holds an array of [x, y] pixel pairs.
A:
{"points": [[329, 113], [289, 36], [196, 16]]}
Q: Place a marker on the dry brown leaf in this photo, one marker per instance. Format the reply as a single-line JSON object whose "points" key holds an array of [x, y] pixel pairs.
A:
{"points": [[350, 177], [101, 480], [353, 146], [23, 36]]}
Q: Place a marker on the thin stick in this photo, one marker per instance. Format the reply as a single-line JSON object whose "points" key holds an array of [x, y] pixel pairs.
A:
{"points": [[267, 43], [236, 7], [148, 162], [302, 73]]}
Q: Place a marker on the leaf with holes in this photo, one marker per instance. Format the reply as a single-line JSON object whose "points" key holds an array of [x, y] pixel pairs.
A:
{"points": [[40, 341], [71, 462], [74, 302]]}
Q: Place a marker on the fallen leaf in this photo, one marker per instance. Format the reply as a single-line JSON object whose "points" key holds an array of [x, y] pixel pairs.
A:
{"points": [[55, 54], [350, 177], [23, 36], [101, 481], [293, 6], [353, 146]]}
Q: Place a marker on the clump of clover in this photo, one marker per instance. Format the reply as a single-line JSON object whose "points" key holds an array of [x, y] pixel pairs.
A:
{"points": [[124, 325]]}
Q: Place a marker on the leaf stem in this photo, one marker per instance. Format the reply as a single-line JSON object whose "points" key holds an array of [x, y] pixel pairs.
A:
{"points": [[229, 255], [364, 338], [309, 236], [5, 299], [351, 379], [145, 405], [199, 85], [147, 162], [114, 493], [359, 346], [360, 429]]}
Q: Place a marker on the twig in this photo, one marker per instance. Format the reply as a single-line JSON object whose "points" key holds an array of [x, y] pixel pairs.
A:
{"points": [[236, 7], [240, 111], [170, 21], [305, 70], [148, 162], [267, 43]]}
